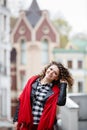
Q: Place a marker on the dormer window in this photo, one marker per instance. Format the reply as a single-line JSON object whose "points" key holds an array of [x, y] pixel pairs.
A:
{"points": [[22, 30], [45, 30]]}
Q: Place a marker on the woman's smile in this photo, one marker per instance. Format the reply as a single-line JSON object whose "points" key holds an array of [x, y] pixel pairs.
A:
{"points": [[52, 73]]}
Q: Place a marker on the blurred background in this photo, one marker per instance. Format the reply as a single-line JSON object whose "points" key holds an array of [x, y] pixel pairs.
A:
{"points": [[33, 33]]}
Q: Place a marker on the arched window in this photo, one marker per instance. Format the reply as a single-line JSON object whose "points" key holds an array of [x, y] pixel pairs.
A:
{"points": [[23, 80], [23, 52], [45, 52], [13, 56]]}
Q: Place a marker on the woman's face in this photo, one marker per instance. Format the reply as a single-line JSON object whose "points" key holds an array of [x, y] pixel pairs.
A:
{"points": [[52, 73]]}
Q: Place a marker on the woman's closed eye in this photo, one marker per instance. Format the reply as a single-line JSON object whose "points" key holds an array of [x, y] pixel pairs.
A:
{"points": [[54, 71]]}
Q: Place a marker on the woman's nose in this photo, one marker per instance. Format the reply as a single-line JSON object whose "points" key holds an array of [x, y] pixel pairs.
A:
{"points": [[51, 72]]}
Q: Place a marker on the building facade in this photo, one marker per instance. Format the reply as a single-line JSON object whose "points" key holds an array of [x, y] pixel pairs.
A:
{"points": [[75, 61], [5, 48], [33, 39], [36, 42]]}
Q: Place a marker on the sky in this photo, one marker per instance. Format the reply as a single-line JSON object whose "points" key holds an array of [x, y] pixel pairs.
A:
{"points": [[73, 11]]}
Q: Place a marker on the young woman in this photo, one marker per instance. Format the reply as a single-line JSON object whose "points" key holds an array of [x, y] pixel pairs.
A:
{"points": [[40, 97]]}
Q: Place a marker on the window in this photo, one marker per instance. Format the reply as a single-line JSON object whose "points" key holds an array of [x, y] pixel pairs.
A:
{"points": [[5, 3], [45, 30], [3, 102], [22, 30], [4, 22], [3, 68], [23, 52], [80, 86], [70, 64], [45, 52], [13, 56], [22, 80], [79, 64]]}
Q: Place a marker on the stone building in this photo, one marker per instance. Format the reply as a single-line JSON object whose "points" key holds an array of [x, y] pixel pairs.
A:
{"points": [[5, 48], [74, 56], [35, 42], [33, 39]]}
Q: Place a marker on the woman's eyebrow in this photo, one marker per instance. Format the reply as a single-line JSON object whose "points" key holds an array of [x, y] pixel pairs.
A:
{"points": [[54, 70]]}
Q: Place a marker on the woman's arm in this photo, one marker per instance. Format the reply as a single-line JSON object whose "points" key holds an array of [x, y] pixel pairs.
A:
{"points": [[62, 95]]}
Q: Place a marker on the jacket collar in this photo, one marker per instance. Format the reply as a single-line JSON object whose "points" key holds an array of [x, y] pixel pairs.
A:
{"points": [[49, 93]]}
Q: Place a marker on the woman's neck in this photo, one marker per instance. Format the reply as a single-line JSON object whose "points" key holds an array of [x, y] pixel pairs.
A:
{"points": [[44, 81]]}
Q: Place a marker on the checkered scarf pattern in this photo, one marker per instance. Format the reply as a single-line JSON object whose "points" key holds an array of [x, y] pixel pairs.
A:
{"points": [[38, 100]]}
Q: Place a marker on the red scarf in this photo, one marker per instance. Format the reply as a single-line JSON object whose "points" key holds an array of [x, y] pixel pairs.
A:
{"points": [[25, 111]]}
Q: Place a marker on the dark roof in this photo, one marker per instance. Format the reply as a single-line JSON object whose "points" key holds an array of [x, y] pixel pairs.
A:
{"points": [[33, 13]]}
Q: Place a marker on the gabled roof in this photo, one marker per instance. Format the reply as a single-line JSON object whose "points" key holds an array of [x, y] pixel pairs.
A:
{"points": [[33, 13]]}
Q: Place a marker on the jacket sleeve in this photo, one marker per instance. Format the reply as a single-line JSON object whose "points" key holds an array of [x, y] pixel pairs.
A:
{"points": [[62, 95], [15, 118]]}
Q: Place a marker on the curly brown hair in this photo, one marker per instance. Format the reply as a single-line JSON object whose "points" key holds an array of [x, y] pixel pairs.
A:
{"points": [[64, 73]]}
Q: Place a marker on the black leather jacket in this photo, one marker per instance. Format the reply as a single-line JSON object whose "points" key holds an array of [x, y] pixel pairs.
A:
{"points": [[61, 99]]}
